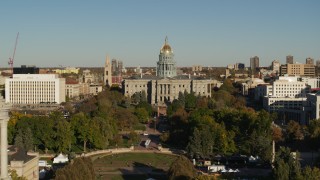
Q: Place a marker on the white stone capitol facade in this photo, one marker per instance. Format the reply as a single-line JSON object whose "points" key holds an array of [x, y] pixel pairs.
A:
{"points": [[166, 85]]}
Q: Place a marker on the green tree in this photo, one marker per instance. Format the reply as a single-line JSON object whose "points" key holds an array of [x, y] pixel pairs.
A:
{"points": [[18, 140], [63, 136], [125, 119], [181, 169], [81, 168], [28, 139], [286, 165], [143, 97], [136, 98], [142, 115], [146, 106], [24, 139], [44, 133], [81, 126], [190, 101], [227, 86], [311, 173], [182, 99], [14, 175]]}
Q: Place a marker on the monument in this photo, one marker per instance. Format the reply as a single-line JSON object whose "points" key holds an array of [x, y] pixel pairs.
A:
{"points": [[4, 118]]}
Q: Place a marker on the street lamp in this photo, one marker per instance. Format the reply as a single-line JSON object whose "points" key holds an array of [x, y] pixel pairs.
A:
{"points": [[155, 120]]}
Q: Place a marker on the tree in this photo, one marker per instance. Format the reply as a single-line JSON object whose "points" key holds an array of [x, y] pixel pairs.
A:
{"points": [[81, 125], [18, 141], [142, 115], [281, 170], [294, 131], [14, 175], [63, 135], [311, 173], [125, 119], [286, 165], [136, 98], [44, 133], [181, 99], [227, 86], [143, 97], [277, 133], [133, 137], [146, 106], [81, 168], [24, 139], [181, 169], [28, 139], [190, 101]]}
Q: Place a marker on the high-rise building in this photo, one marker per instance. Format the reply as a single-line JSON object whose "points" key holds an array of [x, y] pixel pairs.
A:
{"points": [[289, 59], [309, 60], [276, 66], [238, 66], [114, 66], [254, 63], [318, 63], [120, 66], [166, 66], [26, 70]]}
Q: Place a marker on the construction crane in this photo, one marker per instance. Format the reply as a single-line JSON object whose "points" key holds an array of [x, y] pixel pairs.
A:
{"points": [[11, 59]]}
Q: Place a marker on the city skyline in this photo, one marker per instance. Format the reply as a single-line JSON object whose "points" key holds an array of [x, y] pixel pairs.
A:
{"points": [[209, 33]]}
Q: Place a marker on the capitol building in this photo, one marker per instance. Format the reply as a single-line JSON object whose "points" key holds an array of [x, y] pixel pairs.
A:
{"points": [[166, 85]]}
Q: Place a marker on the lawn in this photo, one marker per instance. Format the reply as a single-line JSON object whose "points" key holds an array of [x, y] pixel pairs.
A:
{"points": [[132, 165]]}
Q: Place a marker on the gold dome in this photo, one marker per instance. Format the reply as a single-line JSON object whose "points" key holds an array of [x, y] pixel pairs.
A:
{"points": [[166, 47]]}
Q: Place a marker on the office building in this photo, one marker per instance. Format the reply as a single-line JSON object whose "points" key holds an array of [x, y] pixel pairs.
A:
{"points": [[318, 63], [309, 60], [254, 63], [289, 59], [276, 66], [297, 70], [196, 68], [26, 70], [239, 66], [35, 89]]}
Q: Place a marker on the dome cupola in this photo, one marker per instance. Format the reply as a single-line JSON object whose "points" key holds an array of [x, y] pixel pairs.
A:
{"points": [[166, 48]]}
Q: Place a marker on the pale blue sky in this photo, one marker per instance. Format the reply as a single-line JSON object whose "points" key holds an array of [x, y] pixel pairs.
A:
{"points": [[209, 33]]}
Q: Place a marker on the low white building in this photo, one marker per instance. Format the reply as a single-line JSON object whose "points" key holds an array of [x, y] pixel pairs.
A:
{"points": [[95, 89], [35, 89], [60, 159]]}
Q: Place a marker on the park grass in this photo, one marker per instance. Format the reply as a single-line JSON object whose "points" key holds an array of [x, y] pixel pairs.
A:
{"points": [[111, 166], [143, 159]]}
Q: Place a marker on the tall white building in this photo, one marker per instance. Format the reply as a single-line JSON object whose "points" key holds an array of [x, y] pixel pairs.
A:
{"points": [[276, 66], [35, 89], [288, 97]]}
